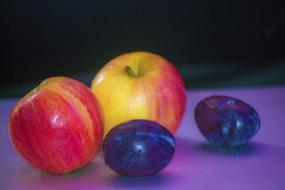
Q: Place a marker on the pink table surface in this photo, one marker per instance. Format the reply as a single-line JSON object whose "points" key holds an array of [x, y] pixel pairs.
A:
{"points": [[196, 164]]}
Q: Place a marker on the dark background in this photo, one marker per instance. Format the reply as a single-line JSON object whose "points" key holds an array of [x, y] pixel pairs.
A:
{"points": [[213, 43]]}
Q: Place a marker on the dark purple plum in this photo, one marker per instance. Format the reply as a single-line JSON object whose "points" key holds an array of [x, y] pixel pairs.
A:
{"points": [[226, 121], [138, 148]]}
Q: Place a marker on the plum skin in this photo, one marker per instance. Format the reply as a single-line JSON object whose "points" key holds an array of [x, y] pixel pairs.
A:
{"points": [[138, 148]]}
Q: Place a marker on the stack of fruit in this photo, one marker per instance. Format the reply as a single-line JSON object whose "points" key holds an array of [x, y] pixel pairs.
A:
{"points": [[134, 107], [135, 104]]}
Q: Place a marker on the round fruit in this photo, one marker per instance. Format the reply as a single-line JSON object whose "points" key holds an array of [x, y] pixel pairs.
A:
{"points": [[138, 148], [58, 126], [140, 85], [226, 121]]}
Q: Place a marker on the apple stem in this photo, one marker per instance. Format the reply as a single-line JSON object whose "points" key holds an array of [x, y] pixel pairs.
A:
{"points": [[130, 72]]}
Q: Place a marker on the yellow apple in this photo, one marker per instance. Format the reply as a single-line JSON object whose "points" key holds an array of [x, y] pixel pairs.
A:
{"points": [[140, 85]]}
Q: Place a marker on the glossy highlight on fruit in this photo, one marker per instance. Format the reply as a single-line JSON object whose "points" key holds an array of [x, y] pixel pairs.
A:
{"points": [[140, 85], [226, 121], [58, 126], [138, 148]]}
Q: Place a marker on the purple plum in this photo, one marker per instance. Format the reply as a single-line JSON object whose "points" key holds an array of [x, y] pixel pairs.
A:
{"points": [[226, 121], [138, 148]]}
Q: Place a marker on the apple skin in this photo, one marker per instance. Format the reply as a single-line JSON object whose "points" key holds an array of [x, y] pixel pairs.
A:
{"points": [[140, 85], [58, 126]]}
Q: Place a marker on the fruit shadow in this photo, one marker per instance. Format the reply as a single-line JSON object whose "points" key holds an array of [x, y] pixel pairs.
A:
{"points": [[187, 146], [94, 175], [161, 179], [98, 172], [82, 178]]}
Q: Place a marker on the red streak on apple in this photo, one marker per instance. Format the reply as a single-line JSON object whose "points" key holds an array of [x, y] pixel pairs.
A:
{"points": [[166, 97], [58, 126]]}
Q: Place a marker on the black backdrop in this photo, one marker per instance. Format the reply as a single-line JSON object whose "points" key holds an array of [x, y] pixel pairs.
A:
{"points": [[46, 38]]}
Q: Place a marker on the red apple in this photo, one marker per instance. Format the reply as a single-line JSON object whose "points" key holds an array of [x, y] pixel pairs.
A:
{"points": [[140, 85], [58, 126]]}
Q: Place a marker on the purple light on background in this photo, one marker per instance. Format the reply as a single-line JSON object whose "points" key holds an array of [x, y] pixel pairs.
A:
{"points": [[196, 164]]}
